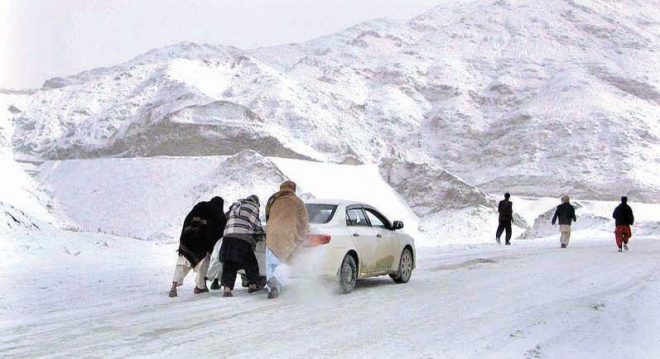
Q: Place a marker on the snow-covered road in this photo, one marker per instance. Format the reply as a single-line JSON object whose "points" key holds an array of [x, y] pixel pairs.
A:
{"points": [[531, 300]]}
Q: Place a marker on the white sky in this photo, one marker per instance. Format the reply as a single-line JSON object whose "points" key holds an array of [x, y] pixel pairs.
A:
{"points": [[41, 39]]}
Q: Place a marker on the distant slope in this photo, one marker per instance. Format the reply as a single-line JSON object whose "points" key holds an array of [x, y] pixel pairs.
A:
{"points": [[149, 197]]}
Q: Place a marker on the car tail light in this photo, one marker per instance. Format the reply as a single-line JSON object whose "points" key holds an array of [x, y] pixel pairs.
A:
{"points": [[314, 240]]}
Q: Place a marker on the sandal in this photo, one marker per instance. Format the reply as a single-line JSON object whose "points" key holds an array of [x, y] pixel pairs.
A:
{"points": [[200, 291]]}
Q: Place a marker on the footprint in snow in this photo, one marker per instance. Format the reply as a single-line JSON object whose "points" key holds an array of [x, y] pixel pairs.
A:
{"points": [[534, 353], [66, 250]]}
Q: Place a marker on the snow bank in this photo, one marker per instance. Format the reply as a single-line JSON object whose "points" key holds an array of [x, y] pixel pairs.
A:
{"points": [[20, 194], [149, 197]]}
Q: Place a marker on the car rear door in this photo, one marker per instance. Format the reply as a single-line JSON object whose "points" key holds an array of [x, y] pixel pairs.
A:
{"points": [[387, 241], [364, 238]]}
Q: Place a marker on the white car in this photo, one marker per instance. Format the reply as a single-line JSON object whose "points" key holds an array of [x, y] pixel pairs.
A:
{"points": [[351, 240]]}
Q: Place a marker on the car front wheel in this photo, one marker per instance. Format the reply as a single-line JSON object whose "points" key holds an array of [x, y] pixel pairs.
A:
{"points": [[405, 267], [347, 274]]}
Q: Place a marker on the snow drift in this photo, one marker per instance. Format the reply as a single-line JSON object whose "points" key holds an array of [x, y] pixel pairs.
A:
{"points": [[149, 197]]}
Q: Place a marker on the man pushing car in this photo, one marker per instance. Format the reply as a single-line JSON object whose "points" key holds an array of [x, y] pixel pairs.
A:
{"points": [[286, 218]]}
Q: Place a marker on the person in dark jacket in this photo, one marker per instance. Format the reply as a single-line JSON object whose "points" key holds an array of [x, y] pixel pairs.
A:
{"points": [[505, 208], [565, 213], [623, 217], [202, 228], [241, 235]]}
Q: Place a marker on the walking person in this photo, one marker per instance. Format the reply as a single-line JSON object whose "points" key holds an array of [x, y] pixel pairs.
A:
{"points": [[565, 213], [623, 217], [505, 208], [242, 233], [202, 228], [286, 216]]}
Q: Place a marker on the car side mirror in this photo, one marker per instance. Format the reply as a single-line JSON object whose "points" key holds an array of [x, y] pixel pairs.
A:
{"points": [[397, 225]]}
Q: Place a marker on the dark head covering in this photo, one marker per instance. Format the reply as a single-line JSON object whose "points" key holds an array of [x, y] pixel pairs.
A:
{"points": [[218, 202], [507, 195], [624, 199]]}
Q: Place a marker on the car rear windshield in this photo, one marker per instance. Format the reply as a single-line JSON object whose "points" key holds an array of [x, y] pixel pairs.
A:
{"points": [[320, 213]]}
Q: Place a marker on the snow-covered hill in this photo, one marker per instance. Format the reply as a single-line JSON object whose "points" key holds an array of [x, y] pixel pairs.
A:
{"points": [[536, 98], [22, 199], [148, 198]]}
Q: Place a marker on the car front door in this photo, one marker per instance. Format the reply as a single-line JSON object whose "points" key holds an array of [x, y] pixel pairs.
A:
{"points": [[358, 228], [387, 241]]}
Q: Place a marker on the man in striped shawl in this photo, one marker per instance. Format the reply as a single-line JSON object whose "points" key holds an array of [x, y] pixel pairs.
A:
{"points": [[241, 235]]}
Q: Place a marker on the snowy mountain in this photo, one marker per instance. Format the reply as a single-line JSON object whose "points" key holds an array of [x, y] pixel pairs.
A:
{"points": [[509, 95]]}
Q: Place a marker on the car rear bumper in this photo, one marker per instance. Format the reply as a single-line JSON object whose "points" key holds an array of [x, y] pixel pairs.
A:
{"points": [[320, 261]]}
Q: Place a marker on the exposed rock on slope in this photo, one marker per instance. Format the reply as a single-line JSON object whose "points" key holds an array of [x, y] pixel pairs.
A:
{"points": [[441, 199], [427, 188], [14, 220]]}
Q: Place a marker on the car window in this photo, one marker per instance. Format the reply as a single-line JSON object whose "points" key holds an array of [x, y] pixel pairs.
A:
{"points": [[356, 217], [320, 213], [376, 220]]}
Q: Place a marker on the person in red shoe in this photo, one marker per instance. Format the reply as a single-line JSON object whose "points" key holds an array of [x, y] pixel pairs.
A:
{"points": [[624, 218]]}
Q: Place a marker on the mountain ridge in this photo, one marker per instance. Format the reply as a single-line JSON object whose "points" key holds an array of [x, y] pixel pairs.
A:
{"points": [[508, 95]]}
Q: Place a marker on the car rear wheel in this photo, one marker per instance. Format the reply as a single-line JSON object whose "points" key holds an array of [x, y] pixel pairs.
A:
{"points": [[405, 267], [347, 274]]}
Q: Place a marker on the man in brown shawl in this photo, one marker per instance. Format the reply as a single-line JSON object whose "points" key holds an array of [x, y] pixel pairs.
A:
{"points": [[286, 216]]}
